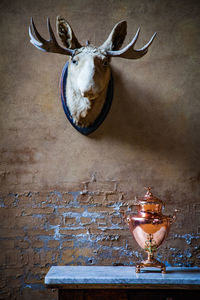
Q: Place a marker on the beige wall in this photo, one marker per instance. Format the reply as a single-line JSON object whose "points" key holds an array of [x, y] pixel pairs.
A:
{"points": [[151, 135]]}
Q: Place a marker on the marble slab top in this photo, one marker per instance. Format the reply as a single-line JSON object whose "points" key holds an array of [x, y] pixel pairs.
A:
{"points": [[119, 275]]}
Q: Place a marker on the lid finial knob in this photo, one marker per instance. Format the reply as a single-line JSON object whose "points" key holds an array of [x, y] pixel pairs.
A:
{"points": [[148, 193]]}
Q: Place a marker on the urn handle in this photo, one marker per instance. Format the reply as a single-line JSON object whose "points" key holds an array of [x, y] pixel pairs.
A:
{"points": [[172, 219], [125, 218]]}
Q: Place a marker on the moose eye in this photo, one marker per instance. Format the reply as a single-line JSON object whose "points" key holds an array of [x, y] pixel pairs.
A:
{"points": [[105, 63], [75, 62]]}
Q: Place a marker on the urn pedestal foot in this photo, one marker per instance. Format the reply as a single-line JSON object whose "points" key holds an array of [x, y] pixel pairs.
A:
{"points": [[151, 262]]}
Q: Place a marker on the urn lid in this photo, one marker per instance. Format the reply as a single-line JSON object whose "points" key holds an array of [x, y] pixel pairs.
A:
{"points": [[149, 197]]}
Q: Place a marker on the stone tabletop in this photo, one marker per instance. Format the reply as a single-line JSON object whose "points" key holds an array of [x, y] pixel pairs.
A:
{"points": [[111, 275]]}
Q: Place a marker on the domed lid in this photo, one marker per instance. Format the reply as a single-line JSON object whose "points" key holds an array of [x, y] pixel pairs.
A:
{"points": [[149, 197]]}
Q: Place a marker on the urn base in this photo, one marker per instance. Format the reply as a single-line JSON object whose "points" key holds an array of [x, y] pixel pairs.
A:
{"points": [[151, 262]]}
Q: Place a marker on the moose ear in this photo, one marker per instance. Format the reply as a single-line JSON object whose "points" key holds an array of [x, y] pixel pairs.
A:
{"points": [[66, 34], [116, 37]]}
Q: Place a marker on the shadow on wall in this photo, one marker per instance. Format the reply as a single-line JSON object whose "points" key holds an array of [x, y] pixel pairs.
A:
{"points": [[141, 119]]}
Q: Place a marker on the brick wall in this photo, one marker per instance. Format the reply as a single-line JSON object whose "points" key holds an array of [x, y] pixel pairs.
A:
{"points": [[82, 226]]}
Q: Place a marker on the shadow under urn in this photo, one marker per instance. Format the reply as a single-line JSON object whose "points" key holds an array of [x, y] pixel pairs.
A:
{"points": [[150, 228]]}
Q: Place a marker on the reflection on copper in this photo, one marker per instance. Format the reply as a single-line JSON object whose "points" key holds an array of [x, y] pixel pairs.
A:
{"points": [[150, 228]]}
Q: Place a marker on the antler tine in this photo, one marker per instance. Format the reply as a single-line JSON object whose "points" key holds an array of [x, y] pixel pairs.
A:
{"points": [[51, 34], [39, 37], [50, 45], [129, 52], [33, 40], [149, 43]]}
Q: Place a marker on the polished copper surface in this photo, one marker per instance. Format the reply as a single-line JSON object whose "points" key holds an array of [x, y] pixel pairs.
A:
{"points": [[150, 228]]}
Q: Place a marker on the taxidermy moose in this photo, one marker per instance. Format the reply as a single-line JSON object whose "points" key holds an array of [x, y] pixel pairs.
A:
{"points": [[86, 82]]}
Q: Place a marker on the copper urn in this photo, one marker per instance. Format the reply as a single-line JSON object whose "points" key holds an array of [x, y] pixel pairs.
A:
{"points": [[150, 228]]}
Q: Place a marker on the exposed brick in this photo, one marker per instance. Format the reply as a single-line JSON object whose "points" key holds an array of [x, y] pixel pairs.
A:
{"points": [[85, 220], [69, 221], [110, 243], [54, 220], [38, 270], [37, 259], [116, 220], [7, 213], [70, 209], [8, 233], [53, 244], [94, 230], [68, 244], [13, 257], [84, 252], [37, 244], [73, 232], [54, 198], [40, 197], [7, 216], [7, 244], [25, 200], [50, 256], [69, 255], [38, 232], [66, 198], [84, 198], [38, 211], [22, 244], [102, 221], [29, 244], [113, 198], [29, 221], [101, 209], [9, 199], [120, 232], [91, 199]]}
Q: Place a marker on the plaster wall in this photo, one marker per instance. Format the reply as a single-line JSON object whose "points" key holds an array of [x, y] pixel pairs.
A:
{"points": [[150, 137]]}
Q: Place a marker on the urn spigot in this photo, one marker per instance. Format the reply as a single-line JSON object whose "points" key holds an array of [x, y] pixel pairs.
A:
{"points": [[150, 227]]}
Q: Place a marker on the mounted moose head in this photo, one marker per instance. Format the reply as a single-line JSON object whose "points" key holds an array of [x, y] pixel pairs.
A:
{"points": [[86, 83]]}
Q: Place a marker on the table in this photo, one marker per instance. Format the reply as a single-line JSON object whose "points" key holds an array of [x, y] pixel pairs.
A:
{"points": [[122, 283]]}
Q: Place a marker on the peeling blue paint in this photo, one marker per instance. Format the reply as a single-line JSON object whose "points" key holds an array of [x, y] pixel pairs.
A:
{"points": [[34, 286], [187, 237]]}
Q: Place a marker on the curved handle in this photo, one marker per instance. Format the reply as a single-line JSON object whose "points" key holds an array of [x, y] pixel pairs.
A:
{"points": [[172, 219], [125, 218]]}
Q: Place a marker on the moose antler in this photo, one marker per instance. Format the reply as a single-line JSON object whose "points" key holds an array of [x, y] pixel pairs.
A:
{"points": [[129, 52], [50, 45]]}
